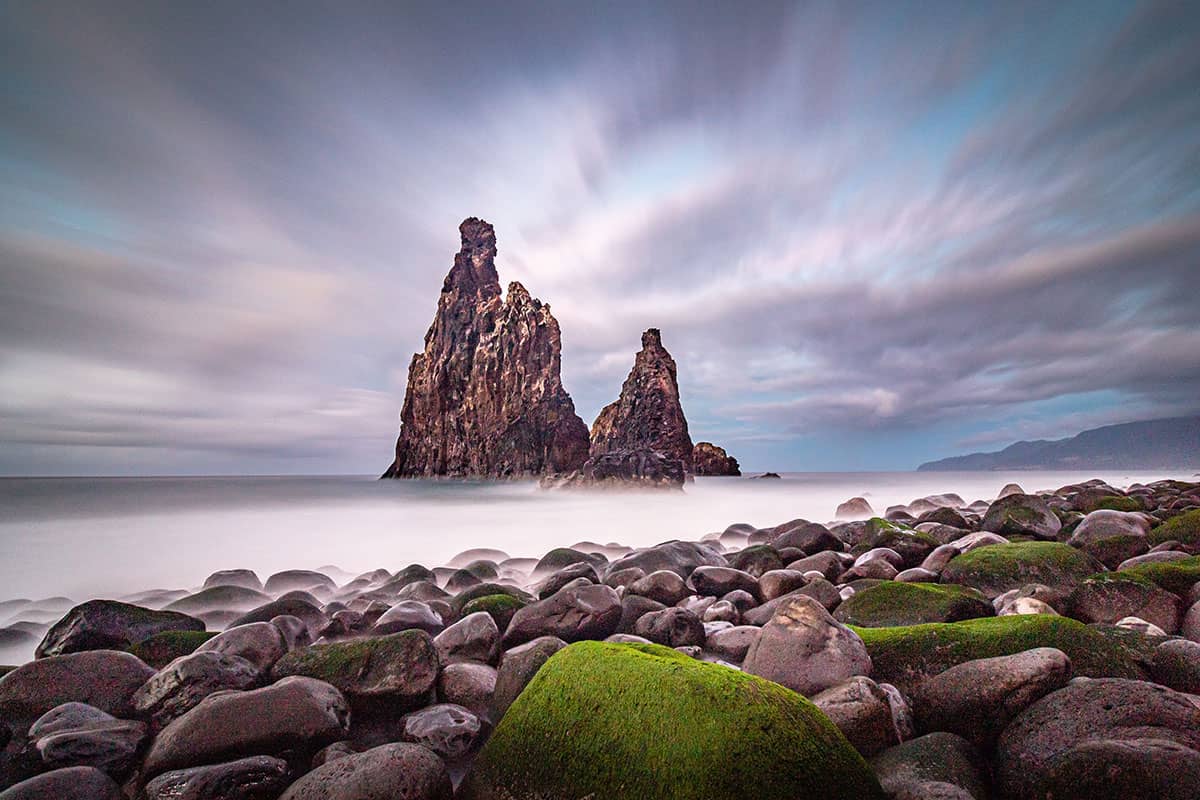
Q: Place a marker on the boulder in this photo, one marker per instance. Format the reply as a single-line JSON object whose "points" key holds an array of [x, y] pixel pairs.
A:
{"points": [[673, 627], [805, 649], [662, 586], [679, 557], [1102, 739], [246, 578], [449, 730], [995, 569], [1108, 598], [260, 643], [1176, 664], [1183, 528], [163, 648], [71, 783], [936, 766], [219, 598], [862, 712], [105, 679], [582, 612], [376, 674], [475, 637], [109, 625], [778, 582], [977, 699], [727, 735], [1021, 514], [79, 735], [517, 668], [297, 715], [855, 508], [1111, 536], [253, 778], [732, 643], [182, 684], [301, 609], [397, 771], [468, 684], [409, 615], [720, 581], [894, 603], [909, 656]]}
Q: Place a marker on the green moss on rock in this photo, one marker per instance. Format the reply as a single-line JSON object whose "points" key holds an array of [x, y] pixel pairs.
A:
{"points": [[604, 720], [1184, 528], [891, 603], [996, 568], [163, 648], [907, 656], [501, 608], [1116, 502], [1174, 576]]}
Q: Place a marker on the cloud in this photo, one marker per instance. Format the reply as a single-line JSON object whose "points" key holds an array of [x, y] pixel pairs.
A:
{"points": [[223, 230]]}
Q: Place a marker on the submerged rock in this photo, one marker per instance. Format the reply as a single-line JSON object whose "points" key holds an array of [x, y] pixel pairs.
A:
{"points": [[485, 397]]}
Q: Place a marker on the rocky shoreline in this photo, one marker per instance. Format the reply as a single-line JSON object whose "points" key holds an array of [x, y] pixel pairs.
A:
{"points": [[1040, 645]]}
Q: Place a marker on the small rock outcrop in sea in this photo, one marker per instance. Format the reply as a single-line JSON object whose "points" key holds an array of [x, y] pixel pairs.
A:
{"points": [[709, 459], [485, 397]]}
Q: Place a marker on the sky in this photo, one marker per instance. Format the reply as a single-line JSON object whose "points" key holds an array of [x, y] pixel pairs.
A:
{"points": [[873, 234]]}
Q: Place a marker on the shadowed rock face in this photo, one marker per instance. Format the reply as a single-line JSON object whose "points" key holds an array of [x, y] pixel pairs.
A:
{"points": [[709, 459], [485, 398], [647, 415]]}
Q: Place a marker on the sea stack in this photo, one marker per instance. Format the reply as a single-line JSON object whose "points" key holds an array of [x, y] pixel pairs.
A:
{"points": [[485, 398], [642, 439], [710, 459]]}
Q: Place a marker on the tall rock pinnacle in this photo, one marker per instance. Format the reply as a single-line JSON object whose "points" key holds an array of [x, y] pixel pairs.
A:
{"points": [[648, 414], [485, 398]]}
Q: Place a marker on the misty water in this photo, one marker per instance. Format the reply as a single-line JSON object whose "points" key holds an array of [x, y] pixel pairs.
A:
{"points": [[71, 539]]}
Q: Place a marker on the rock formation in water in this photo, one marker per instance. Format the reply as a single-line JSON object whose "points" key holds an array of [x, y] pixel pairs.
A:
{"points": [[485, 398], [642, 438], [709, 459], [647, 415]]}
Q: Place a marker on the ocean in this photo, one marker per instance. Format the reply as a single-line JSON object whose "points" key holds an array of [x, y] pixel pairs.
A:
{"points": [[65, 540]]}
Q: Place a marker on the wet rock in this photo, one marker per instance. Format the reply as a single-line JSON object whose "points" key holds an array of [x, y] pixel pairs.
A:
{"points": [[1110, 737], [517, 668], [253, 778], [449, 730], [260, 643], [1021, 514], [219, 598], [297, 715], [409, 615], [855, 508], [805, 649], [1176, 664], [893, 603], [720, 581], [71, 783], [673, 627], [303, 610], [470, 685], [662, 586], [397, 771], [182, 684], [996, 569], [1108, 600], [1111, 536], [109, 625], [584, 612], [377, 674], [827, 563], [79, 735], [565, 576], [861, 711], [723, 611], [246, 578], [679, 557], [485, 397], [473, 638], [811, 537], [977, 699], [937, 766], [105, 679], [756, 559]]}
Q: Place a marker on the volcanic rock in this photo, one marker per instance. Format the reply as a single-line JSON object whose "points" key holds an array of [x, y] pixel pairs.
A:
{"points": [[485, 397], [709, 459]]}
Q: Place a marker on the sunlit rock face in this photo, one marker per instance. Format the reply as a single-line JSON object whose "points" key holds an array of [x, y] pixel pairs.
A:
{"points": [[485, 398], [648, 414]]}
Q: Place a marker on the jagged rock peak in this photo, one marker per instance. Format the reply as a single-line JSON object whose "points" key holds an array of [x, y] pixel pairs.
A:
{"points": [[710, 459], [485, 398], [648, 415], [474, 269]]}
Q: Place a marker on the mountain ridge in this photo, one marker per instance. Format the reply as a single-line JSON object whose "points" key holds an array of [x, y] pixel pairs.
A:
{"points": [[1172, 442]]}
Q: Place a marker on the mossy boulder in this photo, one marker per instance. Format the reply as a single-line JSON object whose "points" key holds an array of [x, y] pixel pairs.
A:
{"points": [[892, 603], [376, 674], [109, 625], [163, 648], [1174, 576], [1184, 529], [603, 720], [1116, 502], [500, 607], [907, 656], [996, 568]]}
